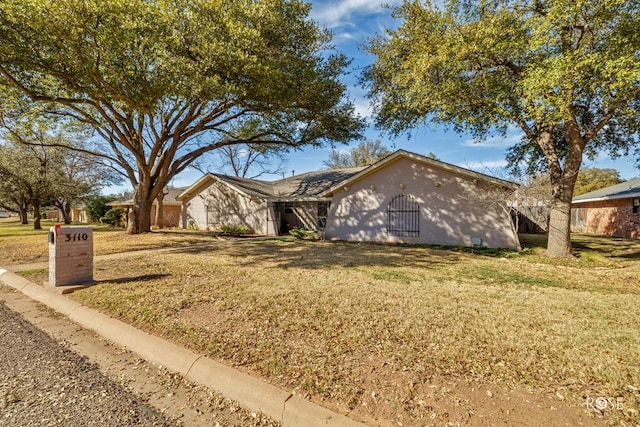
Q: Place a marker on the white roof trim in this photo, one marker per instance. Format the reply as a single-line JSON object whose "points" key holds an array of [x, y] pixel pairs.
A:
{"points": [[613, 197], [188, 192]]}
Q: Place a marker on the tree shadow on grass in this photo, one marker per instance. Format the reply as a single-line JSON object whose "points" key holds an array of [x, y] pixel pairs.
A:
{"points": [[140, 278], [606, 246], [279, 253], [327, 254], [610, 247]]}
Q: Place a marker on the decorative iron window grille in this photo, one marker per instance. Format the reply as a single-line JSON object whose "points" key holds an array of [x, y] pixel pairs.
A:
{"points": [[403, 216], [323, 213]]}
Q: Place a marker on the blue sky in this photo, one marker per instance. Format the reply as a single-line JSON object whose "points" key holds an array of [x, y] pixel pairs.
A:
{"points": [[351, 22]]}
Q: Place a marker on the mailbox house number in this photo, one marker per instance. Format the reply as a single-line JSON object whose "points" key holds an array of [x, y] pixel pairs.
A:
{"points": [[76, 237]]}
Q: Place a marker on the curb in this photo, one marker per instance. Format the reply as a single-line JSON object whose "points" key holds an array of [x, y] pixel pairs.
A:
{"points": [[250, 392]]}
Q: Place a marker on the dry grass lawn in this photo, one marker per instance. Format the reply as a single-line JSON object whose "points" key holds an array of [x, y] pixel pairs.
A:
{"points": [[382, 332], [370, 328], [21, 244]]}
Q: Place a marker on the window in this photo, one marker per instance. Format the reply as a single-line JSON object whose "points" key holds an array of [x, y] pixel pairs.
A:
{"points": [[636, 205], [403, 216], [288, 207], [213, 215], [323, 213]]}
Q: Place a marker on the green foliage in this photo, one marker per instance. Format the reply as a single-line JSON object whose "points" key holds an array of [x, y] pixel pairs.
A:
{"points": [[46, 163], [566, 73], [114, 217], [163, 83], [592, 179], [235, 229], [483, 66], [364, 154], [98, 207], [303, 234]]}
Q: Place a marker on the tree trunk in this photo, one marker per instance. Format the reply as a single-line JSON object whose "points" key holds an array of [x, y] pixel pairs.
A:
{"points": [[140, 214], [24, 213], [559, 242], [66, 213], [563, 182], [36, 216], [65, 210], [159, 210]]}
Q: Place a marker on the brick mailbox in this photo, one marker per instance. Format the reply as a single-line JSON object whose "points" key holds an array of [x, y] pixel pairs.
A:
{"points": [[70, 256]]}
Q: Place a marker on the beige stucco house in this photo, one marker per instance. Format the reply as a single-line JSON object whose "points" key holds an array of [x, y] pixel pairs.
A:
{"points": [[264, 207], [403, 198]]}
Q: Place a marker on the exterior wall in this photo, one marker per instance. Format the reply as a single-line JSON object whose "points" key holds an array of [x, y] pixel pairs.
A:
{"points": [[607, 217], [79, 215], [453, 210], [52, 213], [170, 215], [220, 205]]}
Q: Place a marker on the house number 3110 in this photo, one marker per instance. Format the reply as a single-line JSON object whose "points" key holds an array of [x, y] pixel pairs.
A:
{"points": [[76, 237]]}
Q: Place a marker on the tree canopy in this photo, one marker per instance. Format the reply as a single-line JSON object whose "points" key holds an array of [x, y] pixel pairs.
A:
{"points": [[162, 83], [565, 72], [34, 173], [592, 179], [364, 154]]}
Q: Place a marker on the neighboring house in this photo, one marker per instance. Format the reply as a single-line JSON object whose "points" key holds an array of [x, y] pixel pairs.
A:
{"points": [[170, 207], [612, 211], [51, 212], [80, 213], [403, 198]]}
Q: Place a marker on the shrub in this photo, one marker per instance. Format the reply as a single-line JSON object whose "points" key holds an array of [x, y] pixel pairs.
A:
{"points": [[303, 234], [114, 217], [98, 207], [235, 229]]}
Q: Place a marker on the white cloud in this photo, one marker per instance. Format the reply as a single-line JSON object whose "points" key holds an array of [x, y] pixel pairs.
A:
{"points": [[514, 135], [484, 166], [495, 141], [362, 107], [333, 14]]}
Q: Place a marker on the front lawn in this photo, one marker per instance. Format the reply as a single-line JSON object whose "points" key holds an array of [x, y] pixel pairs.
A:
{"points": [[21, 244], [383, 331]]}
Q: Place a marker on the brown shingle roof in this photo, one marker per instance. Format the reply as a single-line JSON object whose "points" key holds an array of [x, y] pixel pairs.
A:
{"points": [[252, 187], [305, 186]]}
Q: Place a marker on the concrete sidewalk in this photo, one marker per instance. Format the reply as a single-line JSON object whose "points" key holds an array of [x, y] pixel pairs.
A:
{"points": [[249, 392]]}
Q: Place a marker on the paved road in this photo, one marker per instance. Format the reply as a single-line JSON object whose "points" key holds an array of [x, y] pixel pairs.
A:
{"points": [[44, 384], [44, 381]]}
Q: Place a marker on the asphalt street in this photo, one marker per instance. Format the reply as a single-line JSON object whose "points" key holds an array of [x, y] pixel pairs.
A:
{"points": [[44, 384]]}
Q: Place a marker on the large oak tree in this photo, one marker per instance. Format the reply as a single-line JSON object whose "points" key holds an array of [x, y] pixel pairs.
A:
{"points": [[566, 72], [163, 82]]}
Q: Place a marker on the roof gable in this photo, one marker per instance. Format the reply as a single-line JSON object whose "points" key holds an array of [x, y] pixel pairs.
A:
{"points": [[322, 184], [421, 159]]}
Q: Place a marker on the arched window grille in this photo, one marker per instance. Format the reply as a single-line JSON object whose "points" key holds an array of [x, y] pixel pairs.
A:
{"points": [[403, 216]]}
